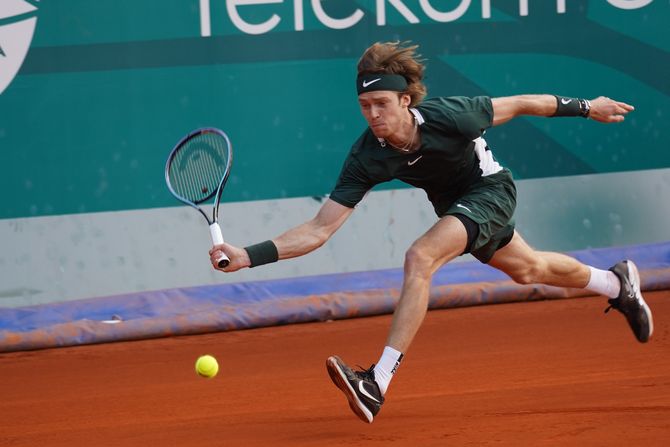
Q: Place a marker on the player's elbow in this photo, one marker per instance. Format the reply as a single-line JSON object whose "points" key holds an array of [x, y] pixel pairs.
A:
{"points": [[325, 234], [320, 234]]}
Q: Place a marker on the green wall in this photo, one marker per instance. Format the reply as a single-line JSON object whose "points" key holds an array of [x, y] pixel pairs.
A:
{"points": [[108, 86]]}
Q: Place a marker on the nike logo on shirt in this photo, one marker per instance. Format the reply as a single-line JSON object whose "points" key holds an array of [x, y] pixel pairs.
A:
{"points": [[464, 207], [369, 83], [410, 163]]}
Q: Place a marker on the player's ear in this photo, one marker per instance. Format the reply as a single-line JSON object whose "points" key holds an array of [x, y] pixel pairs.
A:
{"points": [[405, 100]]}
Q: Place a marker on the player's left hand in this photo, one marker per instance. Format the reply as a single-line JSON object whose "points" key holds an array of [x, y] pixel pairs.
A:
{"points": [[606, 110]]}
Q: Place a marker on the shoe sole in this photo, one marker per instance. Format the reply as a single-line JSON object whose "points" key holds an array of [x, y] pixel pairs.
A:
{"points": [[632, 269], [340, 380]]}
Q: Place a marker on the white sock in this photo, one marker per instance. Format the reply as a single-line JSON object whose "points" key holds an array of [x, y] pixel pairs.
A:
{"points": [[604, 282], [387, 366]]}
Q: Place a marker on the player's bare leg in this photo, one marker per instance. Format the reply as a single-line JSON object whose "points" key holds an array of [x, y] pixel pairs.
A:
{"points": [[621, 283], [365, 389], [528, 266], [446, 240]]}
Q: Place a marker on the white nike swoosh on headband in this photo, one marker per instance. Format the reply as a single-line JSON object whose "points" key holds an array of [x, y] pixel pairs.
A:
{"points": [[364, 391], [368, 83]]}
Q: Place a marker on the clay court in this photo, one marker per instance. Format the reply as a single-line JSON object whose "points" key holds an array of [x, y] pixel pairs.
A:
{"points": [[125, 124], [543, 373]]}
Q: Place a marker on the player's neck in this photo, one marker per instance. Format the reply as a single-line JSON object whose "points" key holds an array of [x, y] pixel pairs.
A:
{"points": [[406, 140]]}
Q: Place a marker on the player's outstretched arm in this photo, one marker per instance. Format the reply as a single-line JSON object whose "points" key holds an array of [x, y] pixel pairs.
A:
{"points": [[295, 242], [314, 233], [602, 109]]}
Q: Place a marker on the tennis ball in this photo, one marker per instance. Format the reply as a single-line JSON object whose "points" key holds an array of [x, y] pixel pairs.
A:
{"points": [[206, 366]]}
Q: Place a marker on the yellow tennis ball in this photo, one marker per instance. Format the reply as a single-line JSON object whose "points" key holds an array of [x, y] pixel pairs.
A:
{"points": [[206, 366]]}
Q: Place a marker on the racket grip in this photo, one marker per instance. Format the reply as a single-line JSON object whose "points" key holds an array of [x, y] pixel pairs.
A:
{"points": [[217, 239]]}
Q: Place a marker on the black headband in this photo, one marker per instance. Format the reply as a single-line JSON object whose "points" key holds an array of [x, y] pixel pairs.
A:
{"points": [[380, 81]]}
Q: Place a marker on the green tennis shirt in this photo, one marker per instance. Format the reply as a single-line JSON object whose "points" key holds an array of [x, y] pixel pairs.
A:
{"points": [[452, 155]]}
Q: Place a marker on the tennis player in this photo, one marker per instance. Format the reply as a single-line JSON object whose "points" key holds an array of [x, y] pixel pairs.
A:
{"points": [[437, 145]]}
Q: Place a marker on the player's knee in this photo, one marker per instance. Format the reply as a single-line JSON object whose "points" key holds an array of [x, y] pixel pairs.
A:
{"points": [[418, 260], [529, 273], [522, 277]]}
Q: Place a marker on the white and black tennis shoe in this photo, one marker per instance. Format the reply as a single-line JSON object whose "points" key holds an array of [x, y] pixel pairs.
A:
{"points": [[360, 388], [630, 301]]}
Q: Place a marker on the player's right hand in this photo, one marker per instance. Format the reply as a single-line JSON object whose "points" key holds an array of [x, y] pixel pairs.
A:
{"points": [[239, 258]]}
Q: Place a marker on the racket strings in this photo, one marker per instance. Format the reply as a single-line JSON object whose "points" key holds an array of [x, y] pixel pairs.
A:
{"points": [[198, 166]]}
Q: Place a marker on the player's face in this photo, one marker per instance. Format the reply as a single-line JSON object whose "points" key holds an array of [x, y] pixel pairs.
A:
{"points": [[384, 111]]}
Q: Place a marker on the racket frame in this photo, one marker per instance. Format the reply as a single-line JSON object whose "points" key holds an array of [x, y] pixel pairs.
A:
{"points": [[214, 228]]}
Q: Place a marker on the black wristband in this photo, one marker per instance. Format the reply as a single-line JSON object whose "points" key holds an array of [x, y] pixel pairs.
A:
{"points": [[572, 107], [584, 108], [263, 253]]}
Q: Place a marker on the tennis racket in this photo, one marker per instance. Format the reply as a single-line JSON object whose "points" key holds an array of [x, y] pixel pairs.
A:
{"points": [[197, 170]]}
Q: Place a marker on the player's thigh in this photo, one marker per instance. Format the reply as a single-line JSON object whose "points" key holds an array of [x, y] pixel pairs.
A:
{"points": [[445, 240], [516, 255]]}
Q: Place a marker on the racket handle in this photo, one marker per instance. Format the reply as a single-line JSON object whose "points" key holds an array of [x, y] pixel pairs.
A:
{"points": [[217, 239]]}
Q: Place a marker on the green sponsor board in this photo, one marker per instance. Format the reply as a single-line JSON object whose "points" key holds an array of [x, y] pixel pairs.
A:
{"points": [[108, 87]]}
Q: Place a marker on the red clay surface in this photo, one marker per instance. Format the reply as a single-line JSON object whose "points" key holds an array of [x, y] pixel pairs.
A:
{"points": [[547, 373]]}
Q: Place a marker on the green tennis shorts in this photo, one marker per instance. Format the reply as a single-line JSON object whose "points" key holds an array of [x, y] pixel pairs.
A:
{"points": [[490, 203]]}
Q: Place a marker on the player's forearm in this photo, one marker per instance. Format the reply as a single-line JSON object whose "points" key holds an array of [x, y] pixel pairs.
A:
{"points": [[314, 233], [506, 108], [300, 240], [537, 105]]}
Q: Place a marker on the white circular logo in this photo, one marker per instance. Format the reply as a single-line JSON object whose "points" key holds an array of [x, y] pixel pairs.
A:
{"points": [[629, 4], [15, 37]]}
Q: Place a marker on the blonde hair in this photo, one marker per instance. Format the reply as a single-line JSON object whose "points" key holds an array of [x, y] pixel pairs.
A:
{"points": [[396, 58]]}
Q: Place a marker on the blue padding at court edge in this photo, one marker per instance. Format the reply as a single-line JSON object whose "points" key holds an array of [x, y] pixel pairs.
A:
{"points": [[255, 304]]}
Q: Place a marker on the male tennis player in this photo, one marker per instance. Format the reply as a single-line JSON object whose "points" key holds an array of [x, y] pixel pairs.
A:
{"points": [[437, 145]]}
